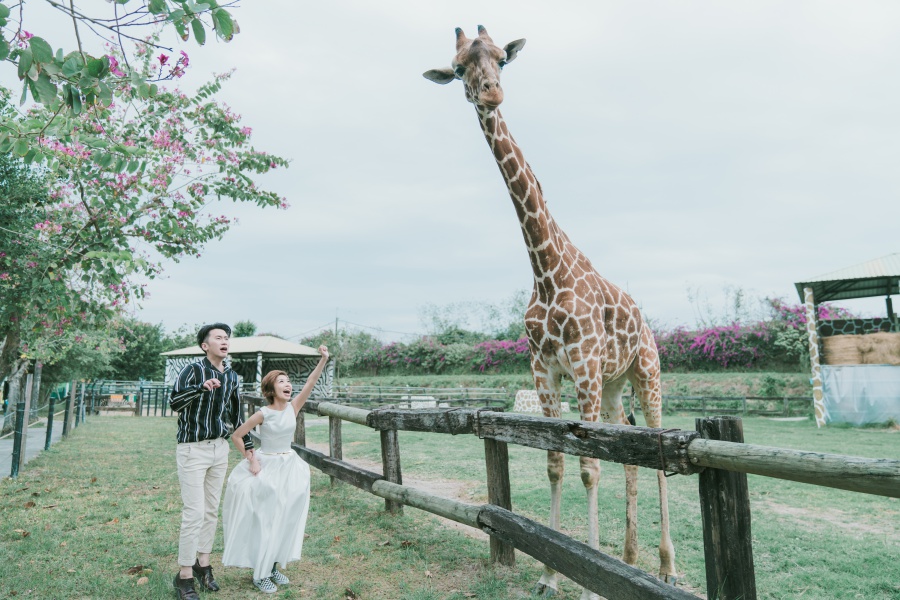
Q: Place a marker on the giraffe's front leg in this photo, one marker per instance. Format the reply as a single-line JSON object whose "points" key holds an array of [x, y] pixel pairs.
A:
{"points": [[547, 387], [548, 584], [589, 389], [590, 477]]}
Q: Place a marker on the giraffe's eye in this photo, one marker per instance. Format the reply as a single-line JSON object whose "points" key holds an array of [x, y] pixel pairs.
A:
{"points": [[459, 71], [501, 64]]}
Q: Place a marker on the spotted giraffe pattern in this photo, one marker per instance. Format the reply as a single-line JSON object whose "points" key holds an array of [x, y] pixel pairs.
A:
{"points": [[579, 325], [528, 401], [814, 359]]}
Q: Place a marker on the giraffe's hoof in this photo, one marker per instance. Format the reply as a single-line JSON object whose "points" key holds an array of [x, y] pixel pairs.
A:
{"points": [[543, 591], [670, 578]]}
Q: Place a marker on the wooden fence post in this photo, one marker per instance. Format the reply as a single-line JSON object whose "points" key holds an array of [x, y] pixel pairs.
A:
{"points": [[390, 461], [725, 508], [335, 448], [496, 456], [300, 430], [139, 404]]}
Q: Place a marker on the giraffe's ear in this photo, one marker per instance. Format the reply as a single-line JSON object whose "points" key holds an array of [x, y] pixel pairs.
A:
{"points": [[442, 76], [512, 49]]}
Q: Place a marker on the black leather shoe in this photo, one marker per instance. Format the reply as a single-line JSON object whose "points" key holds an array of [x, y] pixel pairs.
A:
{"points": [[205, 577], [185, 588]]}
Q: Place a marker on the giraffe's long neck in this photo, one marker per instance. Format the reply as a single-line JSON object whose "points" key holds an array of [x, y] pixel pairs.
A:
{"points": [[543, 237]]}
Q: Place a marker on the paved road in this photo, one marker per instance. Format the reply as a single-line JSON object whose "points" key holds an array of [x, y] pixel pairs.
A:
{"points": [[34, 445]]}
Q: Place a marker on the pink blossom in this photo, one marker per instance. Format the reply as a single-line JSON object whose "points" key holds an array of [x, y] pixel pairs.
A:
{"points": [[185, 61], [163, 59], [114, 66], [4, 276], [246, 130]]}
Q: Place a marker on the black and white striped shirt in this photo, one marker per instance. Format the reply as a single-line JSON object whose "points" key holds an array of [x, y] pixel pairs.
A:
{"points": [[205, 414]]}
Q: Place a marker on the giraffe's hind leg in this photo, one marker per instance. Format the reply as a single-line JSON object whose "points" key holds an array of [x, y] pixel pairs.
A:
{"points": [[644, 376]]}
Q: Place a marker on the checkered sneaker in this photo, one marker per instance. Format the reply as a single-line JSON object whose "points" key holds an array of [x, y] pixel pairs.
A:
{"points": [[265, 585], [279, 577]]}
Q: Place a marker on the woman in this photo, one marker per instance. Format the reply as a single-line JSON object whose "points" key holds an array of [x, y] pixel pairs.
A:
{"points": [[267, 497]]}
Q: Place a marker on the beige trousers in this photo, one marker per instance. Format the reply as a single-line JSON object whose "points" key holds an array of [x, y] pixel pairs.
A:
{"points": [[201, 470]]}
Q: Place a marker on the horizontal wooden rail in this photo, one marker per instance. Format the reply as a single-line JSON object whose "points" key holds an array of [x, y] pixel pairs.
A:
{"points": [[853, 473], [599, 572], [342, 411], [659, 449], [467, 514]]}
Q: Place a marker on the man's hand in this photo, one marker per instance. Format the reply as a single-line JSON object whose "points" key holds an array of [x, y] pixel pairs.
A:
{"points": [[323, 350], [211, 384], [255, 467]]}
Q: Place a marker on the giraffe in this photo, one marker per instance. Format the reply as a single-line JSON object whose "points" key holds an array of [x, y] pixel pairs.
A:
{"points": [[579, 325]]}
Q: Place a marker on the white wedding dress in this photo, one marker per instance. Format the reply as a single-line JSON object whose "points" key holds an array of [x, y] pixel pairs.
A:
{"points": [[264, 516]]}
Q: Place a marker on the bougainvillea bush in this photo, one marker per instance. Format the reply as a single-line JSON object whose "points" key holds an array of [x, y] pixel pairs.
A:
{"points": [[776, 343]]}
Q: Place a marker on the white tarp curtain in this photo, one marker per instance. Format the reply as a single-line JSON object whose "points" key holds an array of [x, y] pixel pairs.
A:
{"points": [[859, 394]]}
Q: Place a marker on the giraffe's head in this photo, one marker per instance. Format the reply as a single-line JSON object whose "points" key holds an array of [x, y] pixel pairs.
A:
{"points": [[478, 63]]}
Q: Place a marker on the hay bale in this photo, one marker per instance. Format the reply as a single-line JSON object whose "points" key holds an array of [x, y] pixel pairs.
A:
{"points": [[882, 348]]}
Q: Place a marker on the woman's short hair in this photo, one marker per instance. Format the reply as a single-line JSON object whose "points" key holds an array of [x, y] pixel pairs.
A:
{"points": [[268, 384]]}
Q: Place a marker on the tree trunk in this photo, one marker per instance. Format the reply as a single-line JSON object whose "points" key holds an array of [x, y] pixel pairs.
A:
{"points": [[9, 351]]}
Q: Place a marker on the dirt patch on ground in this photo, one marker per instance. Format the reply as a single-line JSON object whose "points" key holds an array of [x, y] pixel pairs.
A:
{"points": [[822, 518], [454, 489]]}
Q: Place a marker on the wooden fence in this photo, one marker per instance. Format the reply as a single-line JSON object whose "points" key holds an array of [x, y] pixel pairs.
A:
{"points": [[773, 406], [715, 451], [375, 395], [782, 406]]}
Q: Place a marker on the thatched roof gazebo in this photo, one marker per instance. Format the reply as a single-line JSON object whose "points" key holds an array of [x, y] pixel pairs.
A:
{"points": [[253, 357], [855, 362]]}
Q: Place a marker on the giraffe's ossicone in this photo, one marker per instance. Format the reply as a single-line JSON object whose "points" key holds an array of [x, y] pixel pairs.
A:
{"points": [[579, 325]]}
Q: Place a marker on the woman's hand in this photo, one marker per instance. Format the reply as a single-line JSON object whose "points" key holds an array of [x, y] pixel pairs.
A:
{"points": [[255, 467], [323, 350]]}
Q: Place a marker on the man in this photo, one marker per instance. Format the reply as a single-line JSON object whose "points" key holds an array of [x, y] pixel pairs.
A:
{"points": [[207, 398]]}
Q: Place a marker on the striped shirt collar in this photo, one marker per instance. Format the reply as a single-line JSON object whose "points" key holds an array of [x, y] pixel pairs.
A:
{"points": [[208, 364]]}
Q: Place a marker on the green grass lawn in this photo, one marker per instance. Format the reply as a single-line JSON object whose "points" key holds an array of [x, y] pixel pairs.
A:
{"points": [[83, 514]]}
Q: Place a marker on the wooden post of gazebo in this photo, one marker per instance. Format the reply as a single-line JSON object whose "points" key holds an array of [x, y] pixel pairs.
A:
{"points": [[814, 362], [259, 373]]}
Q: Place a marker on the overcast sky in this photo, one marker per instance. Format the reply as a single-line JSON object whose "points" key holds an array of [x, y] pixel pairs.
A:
{"points": [[681, 145]]}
